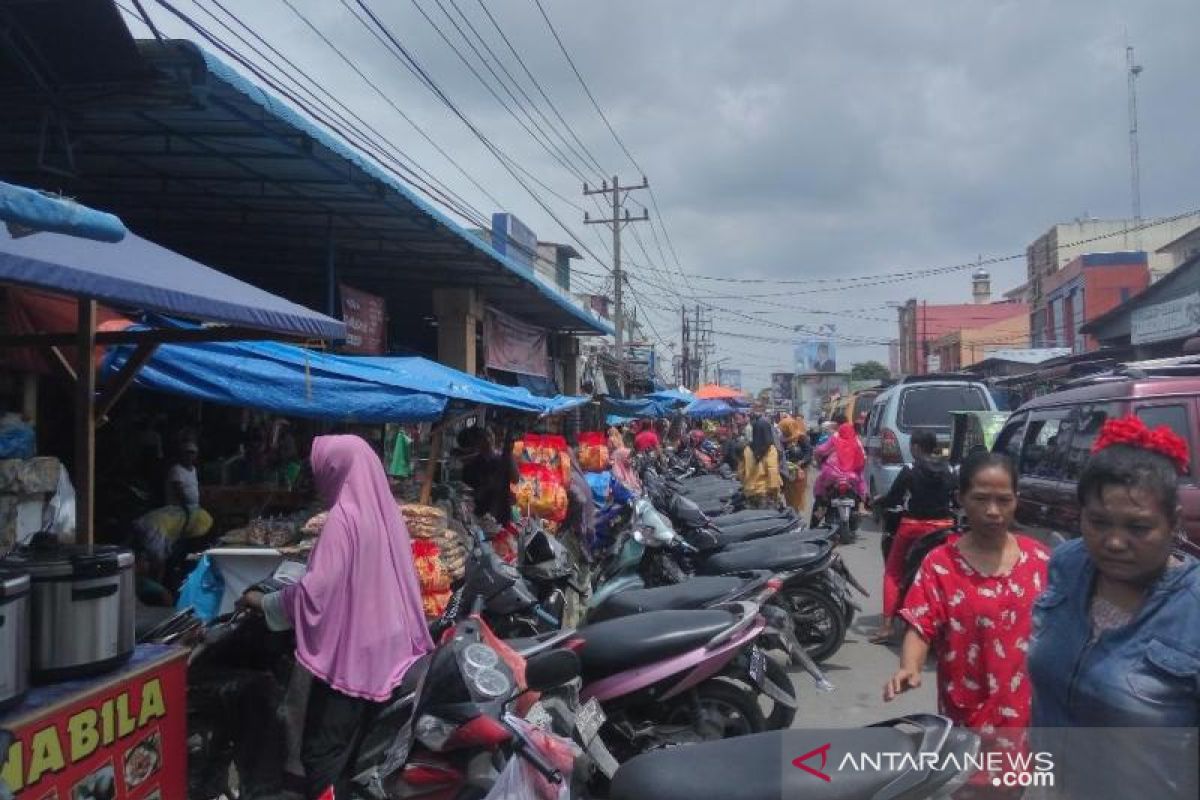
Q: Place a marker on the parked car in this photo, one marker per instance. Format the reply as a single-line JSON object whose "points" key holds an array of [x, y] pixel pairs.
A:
{"points": [[855, 407], [1051, 437], [916, 402]]}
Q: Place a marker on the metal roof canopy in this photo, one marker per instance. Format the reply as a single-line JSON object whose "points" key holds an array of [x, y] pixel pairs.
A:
{"points": [[212, 165]]}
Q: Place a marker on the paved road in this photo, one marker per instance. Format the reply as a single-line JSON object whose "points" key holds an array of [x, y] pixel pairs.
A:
{"points": [[859, 668]]}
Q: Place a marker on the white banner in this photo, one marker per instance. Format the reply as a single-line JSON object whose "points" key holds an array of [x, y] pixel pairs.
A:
{"points": [[1174, 319]]}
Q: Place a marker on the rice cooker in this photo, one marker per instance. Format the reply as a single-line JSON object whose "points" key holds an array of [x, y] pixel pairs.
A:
{"points": [[81, 608], [14, 636]]}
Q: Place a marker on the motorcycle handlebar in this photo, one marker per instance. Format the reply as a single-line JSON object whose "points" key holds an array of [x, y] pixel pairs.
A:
{"points": [[527, 750]]}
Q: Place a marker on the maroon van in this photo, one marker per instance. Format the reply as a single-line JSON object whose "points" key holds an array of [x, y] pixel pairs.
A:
{"points": [[1050, 438]]}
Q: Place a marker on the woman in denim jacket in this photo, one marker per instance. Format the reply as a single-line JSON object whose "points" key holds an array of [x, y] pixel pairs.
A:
{"points": [[1116, 639]]}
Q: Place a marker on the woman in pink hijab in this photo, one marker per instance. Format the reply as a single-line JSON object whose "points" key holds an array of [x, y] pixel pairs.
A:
{"points": [[356, 612], [623, 470]]}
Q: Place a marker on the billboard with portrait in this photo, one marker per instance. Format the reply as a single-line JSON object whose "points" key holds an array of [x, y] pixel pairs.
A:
{"points": [[781, 390], [816, 351], [816, 390]]}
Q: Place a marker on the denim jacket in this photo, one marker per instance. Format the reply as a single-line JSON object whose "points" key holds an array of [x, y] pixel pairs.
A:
{"points": [[1144, 674]]}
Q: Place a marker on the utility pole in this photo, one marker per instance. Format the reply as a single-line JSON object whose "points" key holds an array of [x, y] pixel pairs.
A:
{"points": [[620, 218]]}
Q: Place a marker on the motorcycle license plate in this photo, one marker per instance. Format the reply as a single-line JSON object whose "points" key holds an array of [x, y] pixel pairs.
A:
{"points": [[539, 716], [588, 720], [758, 665]]}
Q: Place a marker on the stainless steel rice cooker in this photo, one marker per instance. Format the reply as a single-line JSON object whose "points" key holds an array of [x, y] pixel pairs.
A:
{"points": [[14, 636], [81, 608]]}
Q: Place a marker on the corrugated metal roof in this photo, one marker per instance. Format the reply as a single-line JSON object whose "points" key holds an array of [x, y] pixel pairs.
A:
{"points": [[208, 163]]}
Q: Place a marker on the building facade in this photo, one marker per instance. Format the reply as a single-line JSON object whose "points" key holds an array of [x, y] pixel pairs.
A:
{"points": [[1066, 241], [922, 325], [962, 348], [1085, 288]]}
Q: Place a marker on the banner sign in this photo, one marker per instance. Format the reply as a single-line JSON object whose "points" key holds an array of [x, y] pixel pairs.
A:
{"points": [[729, 377], [514, 346], [512, 238], [123, 735], [1174, 319], [365, 316], [781, 390], [817, 391], [816, 352]]}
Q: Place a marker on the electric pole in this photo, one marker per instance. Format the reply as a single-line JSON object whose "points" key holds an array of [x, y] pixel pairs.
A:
{"points": [[620, 218]]}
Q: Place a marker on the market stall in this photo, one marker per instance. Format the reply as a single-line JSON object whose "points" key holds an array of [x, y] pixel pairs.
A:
{"points": [[107, 718]]}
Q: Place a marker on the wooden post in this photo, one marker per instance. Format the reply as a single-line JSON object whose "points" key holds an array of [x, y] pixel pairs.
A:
{"points": [[85, 422], [435, 452]]}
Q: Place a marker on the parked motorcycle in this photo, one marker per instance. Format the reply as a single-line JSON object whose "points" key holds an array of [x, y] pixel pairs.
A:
{"points": [[816, 593], [662, 677], [756, 768]]}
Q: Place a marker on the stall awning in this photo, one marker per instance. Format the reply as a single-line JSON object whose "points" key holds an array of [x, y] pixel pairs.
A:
{"points": [[293, 381], [135, 273], [710, 409]]}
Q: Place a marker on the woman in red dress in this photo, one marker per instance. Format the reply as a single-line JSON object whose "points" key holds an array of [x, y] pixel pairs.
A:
{"points": [[972, 601]]}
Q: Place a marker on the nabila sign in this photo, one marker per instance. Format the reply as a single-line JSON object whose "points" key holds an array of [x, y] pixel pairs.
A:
{"points": [[1174, 319]]}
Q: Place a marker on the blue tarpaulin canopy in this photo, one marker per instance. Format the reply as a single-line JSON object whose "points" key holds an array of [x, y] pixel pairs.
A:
{"points": [[292, 381], [37, 211], [135, 273], [709, 409], [675, 396]]}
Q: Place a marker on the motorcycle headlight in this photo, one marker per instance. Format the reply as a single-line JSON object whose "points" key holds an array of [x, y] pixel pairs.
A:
{"points": [[481, 669], [433, 732]]}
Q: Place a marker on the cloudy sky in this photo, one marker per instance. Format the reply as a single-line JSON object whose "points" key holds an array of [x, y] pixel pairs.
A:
{"points": [[785, 140]]}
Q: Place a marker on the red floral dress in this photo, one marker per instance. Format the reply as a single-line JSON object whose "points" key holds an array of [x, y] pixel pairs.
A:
{"points": [[979, 626]]}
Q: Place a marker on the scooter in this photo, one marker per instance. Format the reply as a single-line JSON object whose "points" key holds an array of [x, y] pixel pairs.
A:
{"points": [[816, 594], [664, 677], [757, 768]]}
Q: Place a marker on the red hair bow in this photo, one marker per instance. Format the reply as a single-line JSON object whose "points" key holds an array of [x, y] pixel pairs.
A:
{"points": [[1132, 431]]}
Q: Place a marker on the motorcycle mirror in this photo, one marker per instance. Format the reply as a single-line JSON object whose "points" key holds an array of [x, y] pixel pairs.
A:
{"points": [[551, 669]]}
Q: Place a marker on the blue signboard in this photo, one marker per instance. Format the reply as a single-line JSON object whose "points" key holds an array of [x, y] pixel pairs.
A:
{"points": [[512, 238]]}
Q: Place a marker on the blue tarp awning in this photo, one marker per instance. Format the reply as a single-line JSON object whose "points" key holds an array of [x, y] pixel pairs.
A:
{"points": [[35, 210], [135, 273], [709, 409], [675, 396], [292, 381]]}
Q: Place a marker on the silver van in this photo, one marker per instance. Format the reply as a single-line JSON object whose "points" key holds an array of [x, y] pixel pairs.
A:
{"points": [[916, 402]]}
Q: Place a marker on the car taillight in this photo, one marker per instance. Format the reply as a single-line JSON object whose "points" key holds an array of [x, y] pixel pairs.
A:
{"points": [[889, 447], [483, 731]]}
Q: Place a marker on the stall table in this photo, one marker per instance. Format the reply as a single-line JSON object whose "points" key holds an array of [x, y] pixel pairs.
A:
{"points": [[117, 736]]}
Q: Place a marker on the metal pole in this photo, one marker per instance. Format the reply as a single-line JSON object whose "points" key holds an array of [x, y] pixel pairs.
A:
{"points": [[331, 277], [85, 421], [618, 278]]}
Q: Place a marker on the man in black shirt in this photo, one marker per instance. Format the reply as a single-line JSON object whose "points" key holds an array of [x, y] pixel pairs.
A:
{"points": [[489, 473]]}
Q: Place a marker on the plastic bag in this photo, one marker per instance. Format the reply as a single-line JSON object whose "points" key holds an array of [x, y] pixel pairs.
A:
{"points": [[593, 451], [202, 591], [520, 781], [545, 449], [540, 493], [17, 439]]}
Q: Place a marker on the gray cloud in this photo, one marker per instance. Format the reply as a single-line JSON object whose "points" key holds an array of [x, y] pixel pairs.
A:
{"points": [[810, 139]]}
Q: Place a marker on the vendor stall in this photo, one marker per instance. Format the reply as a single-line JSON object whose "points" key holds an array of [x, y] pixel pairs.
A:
{"points": [[109, 720]]}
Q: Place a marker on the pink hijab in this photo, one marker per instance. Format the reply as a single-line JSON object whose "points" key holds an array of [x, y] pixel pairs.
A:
{"points": [[849, 450], [357, 611], [622, 470]]}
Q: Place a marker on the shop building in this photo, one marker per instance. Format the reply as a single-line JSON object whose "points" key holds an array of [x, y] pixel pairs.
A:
{"points": [[1160, 322], [1085, 288]]}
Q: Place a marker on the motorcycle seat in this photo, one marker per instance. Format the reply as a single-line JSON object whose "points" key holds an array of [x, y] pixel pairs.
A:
{"points": [[748, 531], [691, 594], [753, 515], [777, 553], [627, 642], [761, 767]]}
